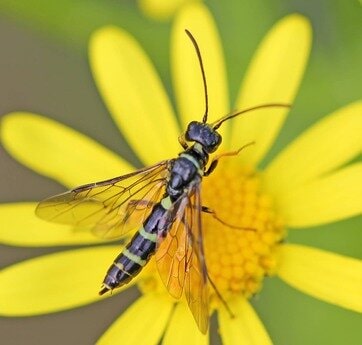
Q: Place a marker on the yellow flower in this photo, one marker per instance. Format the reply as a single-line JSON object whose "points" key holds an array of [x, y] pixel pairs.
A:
{"points": [[307, 184]]}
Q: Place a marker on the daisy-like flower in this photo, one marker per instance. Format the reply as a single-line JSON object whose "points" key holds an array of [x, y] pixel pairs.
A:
{"points": [[307, 184]]}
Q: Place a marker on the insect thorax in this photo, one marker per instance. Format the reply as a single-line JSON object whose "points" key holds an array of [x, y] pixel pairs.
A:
{"points": [[183, 171]]}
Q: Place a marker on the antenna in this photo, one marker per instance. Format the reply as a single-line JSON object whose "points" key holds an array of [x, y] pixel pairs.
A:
{"points": [[219, 122], [193, 40]]}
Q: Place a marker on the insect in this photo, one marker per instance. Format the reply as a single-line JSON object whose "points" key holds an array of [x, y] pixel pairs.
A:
{"points": [[162, 204]]}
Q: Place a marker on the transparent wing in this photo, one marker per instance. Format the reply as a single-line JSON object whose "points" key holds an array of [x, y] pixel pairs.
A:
{"points": [[180, 256], [196, 287], [172, 251], [112, 207]]}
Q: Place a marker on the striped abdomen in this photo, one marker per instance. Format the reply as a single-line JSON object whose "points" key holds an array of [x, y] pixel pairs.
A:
{"points": [[139, 250]]}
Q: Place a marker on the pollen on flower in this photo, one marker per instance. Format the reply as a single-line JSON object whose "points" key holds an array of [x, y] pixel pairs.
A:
{"points": [[238, 259]]}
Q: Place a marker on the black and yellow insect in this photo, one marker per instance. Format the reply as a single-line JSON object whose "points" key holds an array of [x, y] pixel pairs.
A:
{"points": [[162, 203]]}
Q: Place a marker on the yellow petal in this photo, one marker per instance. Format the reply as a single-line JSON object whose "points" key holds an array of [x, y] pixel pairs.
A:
{"points": [[55, 282], [134, 94], [329, 277], [244, 328], [143, 323], [186, 70], [161, 9], [20, 227], [330, 143], [273, 76], [182, 328], [57, 151], [328, 199]]}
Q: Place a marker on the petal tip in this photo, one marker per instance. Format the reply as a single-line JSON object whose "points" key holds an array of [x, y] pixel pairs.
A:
{"points": [[10, 122], [107, 33], [193, 7], [107, 28], [297, 18], [298, 22]]}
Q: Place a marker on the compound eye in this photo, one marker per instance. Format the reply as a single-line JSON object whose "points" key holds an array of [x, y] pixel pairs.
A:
{"points": [[216, 141], [192, 131], [211, 148]]}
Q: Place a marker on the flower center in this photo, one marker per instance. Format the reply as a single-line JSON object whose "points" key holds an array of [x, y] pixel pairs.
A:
{"points": [[240, 239], [239, 258]]}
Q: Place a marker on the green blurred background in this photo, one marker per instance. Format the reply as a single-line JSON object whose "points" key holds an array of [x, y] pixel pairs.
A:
{"points": [[44, 69]]}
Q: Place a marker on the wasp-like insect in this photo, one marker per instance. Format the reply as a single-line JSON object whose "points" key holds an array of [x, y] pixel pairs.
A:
{"points": [[163, 203]]}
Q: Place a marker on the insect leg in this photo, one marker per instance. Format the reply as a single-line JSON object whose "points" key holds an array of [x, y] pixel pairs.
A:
{"points": [[218, 294], [212, 167], [215, 160], [215, 216]]}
